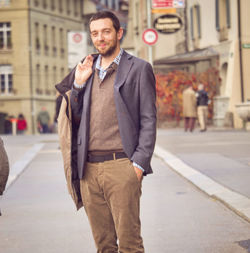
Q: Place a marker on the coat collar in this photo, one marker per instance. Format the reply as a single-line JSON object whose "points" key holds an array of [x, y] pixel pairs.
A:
{"points": [[123, 69]]}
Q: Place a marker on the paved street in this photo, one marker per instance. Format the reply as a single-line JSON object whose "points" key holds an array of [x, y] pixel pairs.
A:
{"points": [[177, 216]]}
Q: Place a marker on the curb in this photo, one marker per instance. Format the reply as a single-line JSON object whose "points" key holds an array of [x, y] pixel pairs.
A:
{"points": [[235, 201], [18, 167]]}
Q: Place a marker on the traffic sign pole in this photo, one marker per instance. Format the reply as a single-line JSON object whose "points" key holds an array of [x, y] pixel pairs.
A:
{"points": [[150, 51]]}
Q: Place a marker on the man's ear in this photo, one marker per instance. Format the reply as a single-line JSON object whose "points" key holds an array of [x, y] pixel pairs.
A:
{"points": [[120, 34]]}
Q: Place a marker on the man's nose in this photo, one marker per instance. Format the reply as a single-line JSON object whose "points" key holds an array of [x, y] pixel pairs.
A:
{"points": [[100, 36]]}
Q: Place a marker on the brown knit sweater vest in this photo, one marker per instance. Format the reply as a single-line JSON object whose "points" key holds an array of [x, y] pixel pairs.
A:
{"points": [[104, 130]]}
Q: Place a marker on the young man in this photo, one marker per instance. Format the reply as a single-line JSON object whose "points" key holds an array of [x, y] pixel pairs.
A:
{"points": [[202, 107], [110, 100]]}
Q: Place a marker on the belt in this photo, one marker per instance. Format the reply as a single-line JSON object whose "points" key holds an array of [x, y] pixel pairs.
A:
{"points": [[108, 157]]}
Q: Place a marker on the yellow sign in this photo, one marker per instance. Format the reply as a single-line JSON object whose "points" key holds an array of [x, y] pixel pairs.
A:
{"points": [[164, 11]]}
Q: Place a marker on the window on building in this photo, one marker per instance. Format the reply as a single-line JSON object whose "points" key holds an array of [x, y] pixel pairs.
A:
{"points": [[45, 38], [6, 79], [46, 77], [195, 18], [52, 5], [62, 73], [60, 5], [45, 4], [223, 18], [38, 79], [54, 75], [68, 7], [37, 38], [114, 7], [36, 3], [61, 42], [4, 3], [53, 42], [5, 36], [76, 7]]}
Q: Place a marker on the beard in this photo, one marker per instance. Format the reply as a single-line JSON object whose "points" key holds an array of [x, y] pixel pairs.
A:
{"points": [[108, 51]]}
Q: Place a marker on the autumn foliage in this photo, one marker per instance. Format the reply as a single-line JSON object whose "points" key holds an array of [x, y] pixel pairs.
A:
{"points": [[169, 88]]}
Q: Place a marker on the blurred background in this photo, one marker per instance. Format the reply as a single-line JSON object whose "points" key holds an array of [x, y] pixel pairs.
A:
{"points": [[186, 41]]}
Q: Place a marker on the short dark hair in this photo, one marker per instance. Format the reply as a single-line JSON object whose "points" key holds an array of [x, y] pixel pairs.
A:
{"points": [[106, 14]]}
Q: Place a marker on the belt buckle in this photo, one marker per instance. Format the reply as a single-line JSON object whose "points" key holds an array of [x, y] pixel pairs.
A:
{"points": [[114, 156]]}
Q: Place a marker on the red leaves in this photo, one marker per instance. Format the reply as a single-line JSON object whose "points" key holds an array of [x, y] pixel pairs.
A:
{"points": [[169, 88]]}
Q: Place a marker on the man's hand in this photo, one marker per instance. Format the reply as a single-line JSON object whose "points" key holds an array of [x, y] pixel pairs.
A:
{"points": [[139, 173], [84, 70]]}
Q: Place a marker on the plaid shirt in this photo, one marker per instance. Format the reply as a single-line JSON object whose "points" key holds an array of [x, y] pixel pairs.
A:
{"points": [[103, 72]]}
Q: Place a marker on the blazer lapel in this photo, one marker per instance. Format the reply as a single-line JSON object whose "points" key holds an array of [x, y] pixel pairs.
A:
{"points": [[123, 70]]}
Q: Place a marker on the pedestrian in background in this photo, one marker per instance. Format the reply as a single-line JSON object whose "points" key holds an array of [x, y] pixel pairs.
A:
{"points": [[112, 96], [21, 124], [189, 108], [43, 120], [202, 107], [4, 168]]}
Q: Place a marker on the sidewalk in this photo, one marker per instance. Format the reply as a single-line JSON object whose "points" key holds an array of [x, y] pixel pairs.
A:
{"points": [[216, 161], [21, 150]]}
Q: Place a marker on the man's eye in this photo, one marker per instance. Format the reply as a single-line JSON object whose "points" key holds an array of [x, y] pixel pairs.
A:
{"points": [[106, 32], [93, 34]]}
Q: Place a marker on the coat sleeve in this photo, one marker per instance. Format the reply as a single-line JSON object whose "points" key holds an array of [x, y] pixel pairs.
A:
{"points": [[4, 167], [147, 131], [76, 101]]}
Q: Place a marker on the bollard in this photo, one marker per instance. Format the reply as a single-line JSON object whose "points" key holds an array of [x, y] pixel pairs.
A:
{"points": [[14, 125]]}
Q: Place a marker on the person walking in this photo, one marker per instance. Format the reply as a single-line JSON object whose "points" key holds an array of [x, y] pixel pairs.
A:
{"points": [[4, 168], [189, 108], [112, 99], [202, 107], [21, 124]]}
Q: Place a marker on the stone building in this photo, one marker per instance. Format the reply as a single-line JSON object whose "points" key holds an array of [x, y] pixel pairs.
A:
{"points": [[34, 51], [33, 54], [214, 35]]}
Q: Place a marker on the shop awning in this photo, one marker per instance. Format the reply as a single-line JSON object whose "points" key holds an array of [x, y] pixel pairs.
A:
{"points": [[190, 57]]}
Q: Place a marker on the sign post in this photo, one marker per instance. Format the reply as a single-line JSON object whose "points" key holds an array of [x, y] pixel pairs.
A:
{"points": [[150, 52]]}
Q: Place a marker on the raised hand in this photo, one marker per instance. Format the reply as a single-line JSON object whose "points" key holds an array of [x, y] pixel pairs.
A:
{"points": [[84, 70]]}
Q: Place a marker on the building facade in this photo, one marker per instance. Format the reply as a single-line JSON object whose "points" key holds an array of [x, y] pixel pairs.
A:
{"points": [[213, 46], [35, 51], [33, 54], [226, 34]]}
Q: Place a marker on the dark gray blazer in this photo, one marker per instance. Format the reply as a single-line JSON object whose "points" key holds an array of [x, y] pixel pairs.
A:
{"points": [[135, 95]]}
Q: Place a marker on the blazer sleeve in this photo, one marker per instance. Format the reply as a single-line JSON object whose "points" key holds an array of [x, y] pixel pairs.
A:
{"points": [[147, 131]]}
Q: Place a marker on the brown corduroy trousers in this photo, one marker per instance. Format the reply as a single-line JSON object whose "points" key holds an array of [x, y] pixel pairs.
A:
{"points": [[111, 196]]}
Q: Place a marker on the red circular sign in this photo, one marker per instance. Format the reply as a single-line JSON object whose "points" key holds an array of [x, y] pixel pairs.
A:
{"points": [[77, 37], [150, 36]]}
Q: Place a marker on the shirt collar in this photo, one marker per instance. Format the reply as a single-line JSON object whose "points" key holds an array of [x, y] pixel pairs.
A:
{"points": [[116, 60]]}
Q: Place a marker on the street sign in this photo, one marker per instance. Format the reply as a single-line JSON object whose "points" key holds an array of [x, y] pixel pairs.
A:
{"points": [[168, 3], [246, 45], [150, 36], [77, 47], [169, 23]]}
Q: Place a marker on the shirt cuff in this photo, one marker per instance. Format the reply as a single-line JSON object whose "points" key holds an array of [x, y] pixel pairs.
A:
{"points": [[138, 166], [77, 86]]}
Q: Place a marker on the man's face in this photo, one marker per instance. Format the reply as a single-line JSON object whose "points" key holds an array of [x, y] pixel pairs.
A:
{"points": [[104, 36]]}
